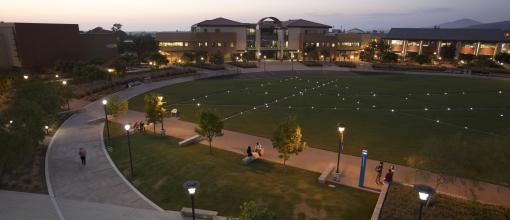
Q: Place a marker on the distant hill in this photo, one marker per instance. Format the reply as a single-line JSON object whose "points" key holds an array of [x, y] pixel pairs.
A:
{"points": [[462, 23], [504, 25]]}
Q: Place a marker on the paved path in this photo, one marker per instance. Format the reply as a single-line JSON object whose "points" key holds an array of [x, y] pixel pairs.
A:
{"points": [[99, 182], [317, 160]]}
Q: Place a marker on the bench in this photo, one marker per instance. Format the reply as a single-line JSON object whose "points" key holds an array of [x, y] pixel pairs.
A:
{"points": [[190, 140], [325, 174], [199, 213], [249, 159]]}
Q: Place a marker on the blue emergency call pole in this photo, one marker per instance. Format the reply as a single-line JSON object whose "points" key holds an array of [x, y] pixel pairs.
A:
{"points": [[364, 155]]}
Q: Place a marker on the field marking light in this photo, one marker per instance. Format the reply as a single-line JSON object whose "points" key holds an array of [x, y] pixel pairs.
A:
{"points": [[426, 109], [437, 121]]}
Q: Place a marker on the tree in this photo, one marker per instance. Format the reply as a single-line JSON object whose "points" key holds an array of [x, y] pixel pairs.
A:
{"points": [[210, 126], [116, 27], [389, 57], [217, 58], [287, 139], [311, 52], [145, 44], [187, 57], [157, 58], [116, 106], [503, 57], [422, 59], [199, 55], [250, 211], [154, 109]]}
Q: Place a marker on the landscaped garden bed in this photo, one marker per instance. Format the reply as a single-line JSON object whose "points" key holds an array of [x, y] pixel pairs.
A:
{"points": [[408, 67], [245, 65], [346, 64], [402, 203], [210, 66], [161, 167], [312, 63]]}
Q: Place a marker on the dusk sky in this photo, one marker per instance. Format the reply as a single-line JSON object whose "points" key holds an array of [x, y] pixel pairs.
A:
{"points": [[169, 15]]}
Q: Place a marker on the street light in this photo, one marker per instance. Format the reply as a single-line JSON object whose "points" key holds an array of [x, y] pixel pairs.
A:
{"points": [[322, 66], [292, 61], [57, 76], [191, 187], [47, 129], [127, 127], [265, 63], [237, 65], [64, 83], [341, 129], [424, 193], [161, 103], [25, 77], [106, 118]]}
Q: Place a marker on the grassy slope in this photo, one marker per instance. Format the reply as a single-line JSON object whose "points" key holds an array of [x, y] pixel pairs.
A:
{"points": [[402, 203], [399, 137], [161, 167]]}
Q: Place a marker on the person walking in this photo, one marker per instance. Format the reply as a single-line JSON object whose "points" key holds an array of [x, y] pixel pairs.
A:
{"points": [[259, 149], [249, 152], [379, 170], [389, 177], [83, 156]]}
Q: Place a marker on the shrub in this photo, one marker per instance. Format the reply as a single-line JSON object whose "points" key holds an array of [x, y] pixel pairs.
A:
{"points": [[389, 57], [503, 57], [346, 64], [422, 59]]}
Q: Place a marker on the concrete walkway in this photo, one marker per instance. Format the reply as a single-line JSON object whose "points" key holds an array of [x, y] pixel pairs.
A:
{"points": [[317, 160], [99, 182]]}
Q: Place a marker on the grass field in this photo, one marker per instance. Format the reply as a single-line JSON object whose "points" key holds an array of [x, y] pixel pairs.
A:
{"points": [[402, 203], [397, 118], [161, 167]]}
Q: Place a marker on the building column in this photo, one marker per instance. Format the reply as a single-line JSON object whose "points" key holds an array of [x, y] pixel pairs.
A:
{"points": [[257, 42], [421, 47], [281, 43], [404, 51], [477, 50], [458, 45], [438, 50]]}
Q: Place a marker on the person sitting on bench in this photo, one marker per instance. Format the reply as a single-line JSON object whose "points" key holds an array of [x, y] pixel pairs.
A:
{"points": [[259, 149], [248, 151]]}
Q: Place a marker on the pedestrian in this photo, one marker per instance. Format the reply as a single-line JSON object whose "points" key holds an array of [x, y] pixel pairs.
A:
{"points": [[248, 151], [379, 169], [142, 127], [259, 149], [393, 169], [83, 156], [389, 177]]}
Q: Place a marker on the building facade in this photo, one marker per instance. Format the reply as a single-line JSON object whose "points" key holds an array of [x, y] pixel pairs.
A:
{"points": [[37, 45], [448, 43], [268, 38]]}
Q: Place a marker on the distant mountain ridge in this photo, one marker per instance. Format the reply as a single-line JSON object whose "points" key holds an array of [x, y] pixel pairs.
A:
{"points": [[503, 25], [462, 23]]}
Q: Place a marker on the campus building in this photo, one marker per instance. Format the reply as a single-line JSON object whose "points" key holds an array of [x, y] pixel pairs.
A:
{"points": [[269, 37], [36, 45], [448, 43]]}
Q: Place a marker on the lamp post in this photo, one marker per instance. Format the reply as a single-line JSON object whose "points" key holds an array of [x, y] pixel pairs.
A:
{"points": [[47, 129], [127, 127], [341, 129], [64, 83], [191, 187], [292, 61], [106, 118], [160, 104], [237, 65], [25, 77], [424, 193], [322, 64], [265, 63]]}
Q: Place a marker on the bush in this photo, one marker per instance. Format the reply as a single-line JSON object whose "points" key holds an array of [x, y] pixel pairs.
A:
{"points": [[503, 57], [311, 63], [422, 59], [217, 58], [346, 64], [389, 57], [483, 62], [244, 64]]}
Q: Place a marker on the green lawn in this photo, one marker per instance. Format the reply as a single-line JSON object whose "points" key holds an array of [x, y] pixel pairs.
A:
{"points": [[402, 203], [402, 137], [161, 167]]}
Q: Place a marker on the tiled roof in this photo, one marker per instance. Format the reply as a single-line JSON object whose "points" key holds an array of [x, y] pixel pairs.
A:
{"points": [[486, 35], [222, 22], [304, 23]]}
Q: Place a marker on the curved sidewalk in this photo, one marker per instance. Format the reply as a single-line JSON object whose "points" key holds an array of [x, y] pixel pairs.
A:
{"points": [[99, 183]]}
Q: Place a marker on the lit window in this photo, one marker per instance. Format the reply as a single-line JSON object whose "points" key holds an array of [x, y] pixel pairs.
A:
{"points": [[231, 44], [286, 44], [219, 44], [205, 44]]}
